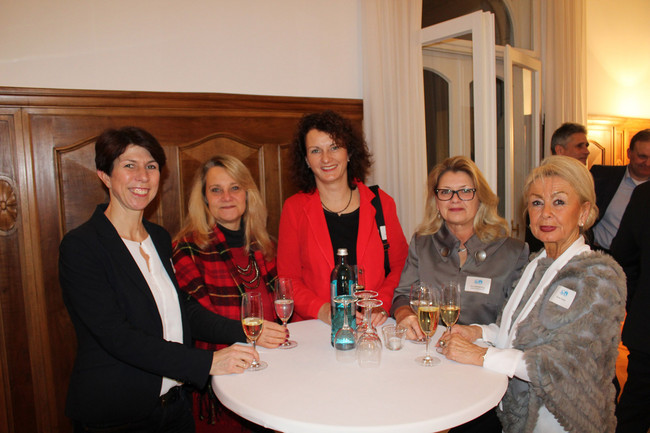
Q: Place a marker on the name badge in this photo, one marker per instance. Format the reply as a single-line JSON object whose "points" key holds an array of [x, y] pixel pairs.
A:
{"points": [[478, 285], [563, 297]]}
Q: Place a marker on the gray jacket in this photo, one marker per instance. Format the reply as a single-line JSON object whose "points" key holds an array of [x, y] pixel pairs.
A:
{"points": [[434, 259], [570, 353]]}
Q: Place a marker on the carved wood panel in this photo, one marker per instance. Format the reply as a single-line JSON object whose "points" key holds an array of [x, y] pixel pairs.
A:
{"points": [[47, 151], [609, 138]]}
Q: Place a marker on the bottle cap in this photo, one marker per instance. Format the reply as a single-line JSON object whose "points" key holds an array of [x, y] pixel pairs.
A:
{"points": [[342, 252]]}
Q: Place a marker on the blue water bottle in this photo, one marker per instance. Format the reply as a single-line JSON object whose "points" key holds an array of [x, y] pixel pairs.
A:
{"points": [[342, 282]]}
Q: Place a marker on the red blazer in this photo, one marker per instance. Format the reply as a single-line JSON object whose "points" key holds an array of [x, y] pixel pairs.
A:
{"points": [[305, 250]]}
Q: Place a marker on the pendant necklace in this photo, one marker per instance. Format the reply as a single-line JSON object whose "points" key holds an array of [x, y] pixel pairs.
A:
{"points": [[342, 210]]}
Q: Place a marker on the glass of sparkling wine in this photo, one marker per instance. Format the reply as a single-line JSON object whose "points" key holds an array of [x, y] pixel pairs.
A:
{"points": [[450, 305], [428, 315], [252, 319], [414, 300], [283, 303]]}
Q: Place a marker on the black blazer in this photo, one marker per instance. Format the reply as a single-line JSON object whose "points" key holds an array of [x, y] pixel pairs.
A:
{"points": [[121, 353], [631, 248], [607, 178]]}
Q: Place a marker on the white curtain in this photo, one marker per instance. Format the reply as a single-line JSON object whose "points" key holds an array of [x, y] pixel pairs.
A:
{"points": [[393, 103], [564, 59]]}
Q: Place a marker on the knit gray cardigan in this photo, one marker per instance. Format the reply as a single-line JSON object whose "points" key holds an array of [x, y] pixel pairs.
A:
{"points": [[570, 354]]}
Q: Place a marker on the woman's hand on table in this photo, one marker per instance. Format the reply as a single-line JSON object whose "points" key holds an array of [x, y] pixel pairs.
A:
{"points": [[404, 317], [378, 316], [325, 314], [469, 333], [272, 335], [457, 348], [233, 359]]}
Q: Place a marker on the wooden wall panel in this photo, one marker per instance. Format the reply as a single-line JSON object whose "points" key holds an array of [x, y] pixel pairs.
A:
{"points": [[47, 141], [609, 138]]}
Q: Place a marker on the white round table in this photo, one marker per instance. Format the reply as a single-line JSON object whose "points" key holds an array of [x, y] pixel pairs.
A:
{"points": [[305, 389]]}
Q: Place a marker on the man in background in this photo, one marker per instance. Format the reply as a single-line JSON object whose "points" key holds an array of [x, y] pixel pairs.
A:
{"points": [[614, 186], [570, 139]]}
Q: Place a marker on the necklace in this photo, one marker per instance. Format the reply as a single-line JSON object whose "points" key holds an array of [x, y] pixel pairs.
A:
{"points": [[341, 211], [251, 273]]}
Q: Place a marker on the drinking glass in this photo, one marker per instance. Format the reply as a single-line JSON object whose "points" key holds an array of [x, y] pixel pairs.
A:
{"points": [[428, 315], [364, 294], [283, 303], [413, 301], [344, 341], [450, 305], [369, 344], [252, 319]]}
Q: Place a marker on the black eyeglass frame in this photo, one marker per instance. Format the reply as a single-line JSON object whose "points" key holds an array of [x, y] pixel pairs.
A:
{"points": [[457, 192]]}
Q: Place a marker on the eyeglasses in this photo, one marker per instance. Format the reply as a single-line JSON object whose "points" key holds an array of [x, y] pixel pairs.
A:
{"points": [[464, 194]]}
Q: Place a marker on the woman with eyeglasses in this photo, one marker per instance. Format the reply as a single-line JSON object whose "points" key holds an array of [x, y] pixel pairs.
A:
{"points": [[462, 239]]}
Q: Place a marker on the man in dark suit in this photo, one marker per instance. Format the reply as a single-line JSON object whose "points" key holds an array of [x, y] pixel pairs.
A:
{"points": [[614, 186], [631, 248]]}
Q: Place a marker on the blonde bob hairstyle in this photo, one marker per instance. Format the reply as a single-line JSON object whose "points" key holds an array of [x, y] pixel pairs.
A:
{"points": [[200, 222], [488, 225], [575, 174]]}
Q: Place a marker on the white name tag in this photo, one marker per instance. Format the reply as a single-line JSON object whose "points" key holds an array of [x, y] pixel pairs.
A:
{"points": [[478, 285], [563, 297]]}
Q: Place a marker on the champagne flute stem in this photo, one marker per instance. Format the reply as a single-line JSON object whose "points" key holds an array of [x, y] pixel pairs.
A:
{"points": [[254, 363], [426, 348]]}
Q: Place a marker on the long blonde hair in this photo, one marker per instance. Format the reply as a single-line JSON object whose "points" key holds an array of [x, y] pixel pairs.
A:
{"points": [[488, 225], [199, 220]]}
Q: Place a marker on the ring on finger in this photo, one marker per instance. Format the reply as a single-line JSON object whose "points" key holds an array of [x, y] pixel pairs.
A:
{"points": [[442, 343]]}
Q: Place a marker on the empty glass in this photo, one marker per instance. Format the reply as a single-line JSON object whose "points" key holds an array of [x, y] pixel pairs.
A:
{"points": [[361, 295], [394, 336], [369, 344]]}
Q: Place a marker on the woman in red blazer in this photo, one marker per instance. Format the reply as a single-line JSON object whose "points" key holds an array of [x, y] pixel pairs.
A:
{"points": [[333, 210]]}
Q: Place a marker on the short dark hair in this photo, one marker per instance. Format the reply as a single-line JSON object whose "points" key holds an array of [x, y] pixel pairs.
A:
{"points": [[343, 133], [113, 142], [561, 135], [643, 135]]}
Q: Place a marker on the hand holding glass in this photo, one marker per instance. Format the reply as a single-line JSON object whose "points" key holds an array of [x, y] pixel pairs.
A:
{"points": [[252, 319], [284, 306]]}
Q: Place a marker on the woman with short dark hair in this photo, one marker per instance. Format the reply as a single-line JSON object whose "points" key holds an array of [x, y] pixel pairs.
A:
{"points": [[134, 327]]}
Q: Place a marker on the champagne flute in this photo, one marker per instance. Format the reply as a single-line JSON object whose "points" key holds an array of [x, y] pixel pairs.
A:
{"points": [[450, 306], [252, 319], [283, 303], [361, 295], [414, 301], [428, 315]]}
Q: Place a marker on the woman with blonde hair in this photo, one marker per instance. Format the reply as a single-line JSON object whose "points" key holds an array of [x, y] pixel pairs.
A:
{"points": [[558, 334], [222, 252], [461, 239]]}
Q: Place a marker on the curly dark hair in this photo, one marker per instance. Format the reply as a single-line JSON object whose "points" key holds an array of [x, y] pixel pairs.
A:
{"points": [[343, 133]]}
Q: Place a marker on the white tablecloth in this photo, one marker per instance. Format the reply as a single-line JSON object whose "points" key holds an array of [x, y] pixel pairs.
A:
{"points": [[306, 390]]}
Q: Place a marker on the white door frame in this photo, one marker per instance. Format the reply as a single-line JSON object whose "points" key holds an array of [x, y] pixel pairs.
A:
{"points": [[481, 26], [515, 57]]}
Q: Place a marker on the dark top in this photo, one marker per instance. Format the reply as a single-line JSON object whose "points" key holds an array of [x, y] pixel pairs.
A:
{"points": [[343, 233], [121, 354], [631, 249]]}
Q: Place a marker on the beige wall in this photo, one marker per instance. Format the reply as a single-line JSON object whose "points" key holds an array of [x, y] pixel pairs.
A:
{"points": [[618, 60], [264, 47]]}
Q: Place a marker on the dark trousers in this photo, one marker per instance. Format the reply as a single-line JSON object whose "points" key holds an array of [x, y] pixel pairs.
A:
{"points": [[486, 423], [633, 410], [172, 414]]}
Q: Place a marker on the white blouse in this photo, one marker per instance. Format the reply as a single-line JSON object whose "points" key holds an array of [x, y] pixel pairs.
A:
{"points": [[164, 293]]}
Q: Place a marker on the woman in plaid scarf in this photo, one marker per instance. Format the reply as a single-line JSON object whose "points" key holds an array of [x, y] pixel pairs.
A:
{"points": [[222, 252]]}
